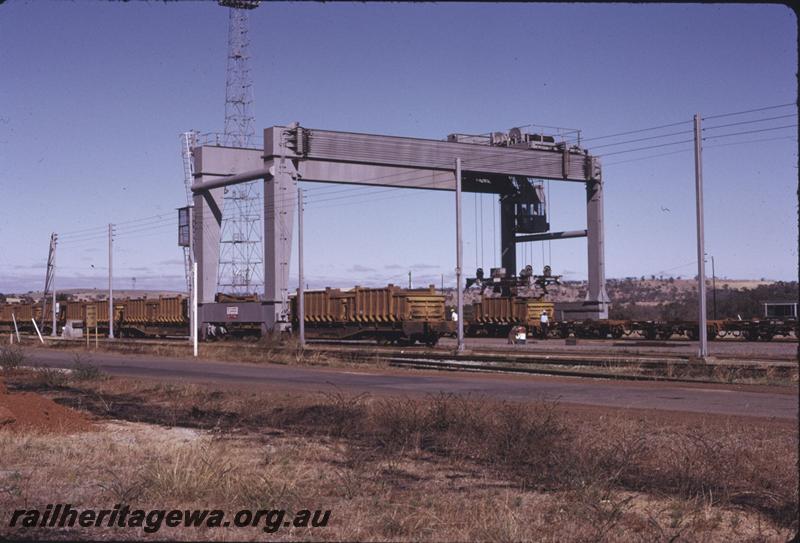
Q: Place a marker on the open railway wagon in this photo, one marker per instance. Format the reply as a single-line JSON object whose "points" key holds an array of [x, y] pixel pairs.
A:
{"points": [[591, 329], [664, 330], [135, 317], [750, 330], [759, 329], [494, 316], [148, 317], [386, 315], [24, 312]]}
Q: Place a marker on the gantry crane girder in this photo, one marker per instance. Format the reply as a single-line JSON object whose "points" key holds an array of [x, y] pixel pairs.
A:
{"points": [[239, 4], [293, 153]]}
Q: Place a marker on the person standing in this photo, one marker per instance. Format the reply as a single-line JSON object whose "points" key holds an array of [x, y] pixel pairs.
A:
{"points": [[544, 322]]}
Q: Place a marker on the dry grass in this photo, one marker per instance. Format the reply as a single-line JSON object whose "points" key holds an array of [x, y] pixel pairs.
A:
{"points": [[446, 468]]}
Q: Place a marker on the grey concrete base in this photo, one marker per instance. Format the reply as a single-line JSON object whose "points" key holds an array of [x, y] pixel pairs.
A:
{"points": [[578, 311]]}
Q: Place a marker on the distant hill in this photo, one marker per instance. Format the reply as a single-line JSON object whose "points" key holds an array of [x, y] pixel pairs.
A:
{"points": [[677, 298], [670, 298], [96, 294]]}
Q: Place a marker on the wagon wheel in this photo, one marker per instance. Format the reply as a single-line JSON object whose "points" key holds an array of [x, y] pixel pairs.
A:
{"points": [[650, 333], [766, 336], [664, 334], [750, 335], [691, 333], [617, 332]]}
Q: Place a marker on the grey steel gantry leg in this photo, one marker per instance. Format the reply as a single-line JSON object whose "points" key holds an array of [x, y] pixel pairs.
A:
{"points": [[508, 236], [279, 208], [596, 294]]}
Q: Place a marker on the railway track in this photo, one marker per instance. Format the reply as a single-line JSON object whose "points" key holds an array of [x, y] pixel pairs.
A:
{"points": [[633, 367], [589, 357], [653, 371]]}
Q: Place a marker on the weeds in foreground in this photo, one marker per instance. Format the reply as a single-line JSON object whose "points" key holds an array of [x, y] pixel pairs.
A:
{"points": [[12, 358], [51, 377], [85, 370]]}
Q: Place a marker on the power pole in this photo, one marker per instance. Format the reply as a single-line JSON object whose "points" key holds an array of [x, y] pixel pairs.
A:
{"points": [[49, 276], [241, 250], [54, 332], [459, 257], [409, 279], [110, 277], [301, 305], [701, 261]]}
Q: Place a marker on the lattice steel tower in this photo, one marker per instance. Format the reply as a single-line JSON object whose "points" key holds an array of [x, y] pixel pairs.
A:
{"points": [[241, 250]]}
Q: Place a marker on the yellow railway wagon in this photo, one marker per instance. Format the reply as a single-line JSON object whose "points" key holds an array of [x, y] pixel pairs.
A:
{"points": [[172, 310], [387, 314], [529, 311], [494, 310]]}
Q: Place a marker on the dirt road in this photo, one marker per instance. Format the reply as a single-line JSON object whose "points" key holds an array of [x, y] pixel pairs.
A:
{"points": [[739, 400]]}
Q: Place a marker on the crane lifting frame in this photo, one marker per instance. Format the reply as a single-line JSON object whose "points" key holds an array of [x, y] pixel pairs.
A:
{"points": [[293, 153]]}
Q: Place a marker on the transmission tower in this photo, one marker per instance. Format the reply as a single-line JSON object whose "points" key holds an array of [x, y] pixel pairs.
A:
{"points": [[241, 247]]}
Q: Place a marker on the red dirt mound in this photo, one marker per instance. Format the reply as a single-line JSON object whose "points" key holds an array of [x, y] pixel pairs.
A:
{"points": [[28, 412]]}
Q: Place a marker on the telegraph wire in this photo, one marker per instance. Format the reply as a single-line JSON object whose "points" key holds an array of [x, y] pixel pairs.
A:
{"points": [[644, 139], [749, 122], [749, 111], [648, 147], [749, 141], [648, 157], [712, 146], [750, 132], [75, 234], [670, 125]]}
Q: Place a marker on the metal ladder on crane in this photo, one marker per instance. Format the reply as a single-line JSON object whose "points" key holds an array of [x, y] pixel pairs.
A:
{"points": [[188, 140]]}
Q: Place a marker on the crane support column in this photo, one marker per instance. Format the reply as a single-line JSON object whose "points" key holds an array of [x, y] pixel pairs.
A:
{"points": [[279, 201], [508, 236], [596, 295], [207, 223]]}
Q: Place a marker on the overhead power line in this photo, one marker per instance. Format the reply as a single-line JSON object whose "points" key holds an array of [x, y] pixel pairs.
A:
{"points": [[648, 147], [749, 122], [629, 132], [748, 111], [750, 132], [644, 139]]}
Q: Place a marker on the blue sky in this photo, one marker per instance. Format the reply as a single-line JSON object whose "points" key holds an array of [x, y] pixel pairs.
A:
{"points": [[94, 95]]}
